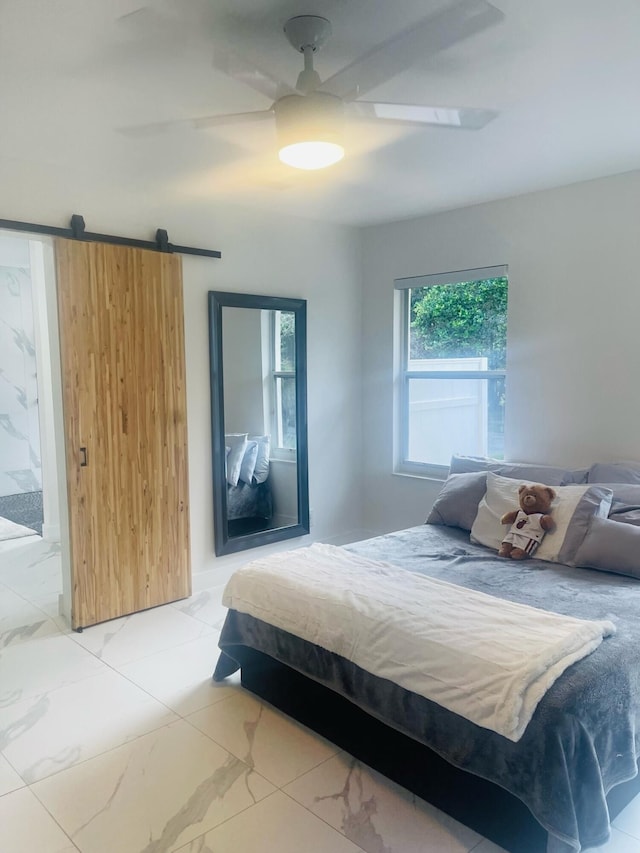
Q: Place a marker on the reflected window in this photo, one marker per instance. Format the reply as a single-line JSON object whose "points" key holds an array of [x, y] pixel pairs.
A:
{"points": [[283, 380]]}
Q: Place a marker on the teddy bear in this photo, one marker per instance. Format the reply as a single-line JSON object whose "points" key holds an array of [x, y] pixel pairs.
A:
{"points": [[529, 523]]}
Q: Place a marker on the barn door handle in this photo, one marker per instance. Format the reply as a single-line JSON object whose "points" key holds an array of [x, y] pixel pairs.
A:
{"points": [[83, 457]]}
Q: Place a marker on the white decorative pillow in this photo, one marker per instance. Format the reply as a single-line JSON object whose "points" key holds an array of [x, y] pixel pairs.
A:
{"points": [[572, 510], [249, 462], [238, 444], [261, 471]]}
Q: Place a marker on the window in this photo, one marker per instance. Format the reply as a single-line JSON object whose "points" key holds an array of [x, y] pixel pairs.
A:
{"points": [[283, 378], [453, 365]]}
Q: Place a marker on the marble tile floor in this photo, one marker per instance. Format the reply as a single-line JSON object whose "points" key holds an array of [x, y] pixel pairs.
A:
{"points": [[116, 741]]}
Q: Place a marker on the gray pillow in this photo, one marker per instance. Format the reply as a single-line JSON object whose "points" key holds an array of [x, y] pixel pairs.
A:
{"points": [[625, 506], [615, 472], [610, 547], [457, 502], [595, 503], [625, 514], [546, 474]]}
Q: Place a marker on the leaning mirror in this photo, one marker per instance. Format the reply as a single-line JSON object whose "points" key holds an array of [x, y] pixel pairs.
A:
{"points": [[258, 419]]}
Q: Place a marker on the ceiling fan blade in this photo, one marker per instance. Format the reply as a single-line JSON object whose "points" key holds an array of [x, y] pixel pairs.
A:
{"points": [[231, 118], [155, 128], [237, 68], [419, 41], [465, 118]]}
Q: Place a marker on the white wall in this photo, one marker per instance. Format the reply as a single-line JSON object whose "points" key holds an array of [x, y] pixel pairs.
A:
{"points": [[266, 254], [573, 327], [20, 457], [242, 360]]}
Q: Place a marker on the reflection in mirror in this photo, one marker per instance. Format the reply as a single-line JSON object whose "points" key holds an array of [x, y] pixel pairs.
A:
{"points": [[258, 404]]}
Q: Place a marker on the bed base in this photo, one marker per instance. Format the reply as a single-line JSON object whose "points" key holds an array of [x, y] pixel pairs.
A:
{"points": [[475, 802]]}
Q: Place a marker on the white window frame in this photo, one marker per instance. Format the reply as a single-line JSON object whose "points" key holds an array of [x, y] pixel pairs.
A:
{"points": [[403, 464]]}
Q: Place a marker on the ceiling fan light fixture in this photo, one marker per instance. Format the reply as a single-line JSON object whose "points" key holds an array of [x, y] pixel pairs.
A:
{"points": [[311, 154], [310, 130]]}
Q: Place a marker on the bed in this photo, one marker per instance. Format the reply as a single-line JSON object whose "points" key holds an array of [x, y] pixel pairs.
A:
{"points": [[559, 785]]}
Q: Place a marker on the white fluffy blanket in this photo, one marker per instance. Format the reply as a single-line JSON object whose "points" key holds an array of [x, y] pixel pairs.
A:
{"points": [[485, 658]]}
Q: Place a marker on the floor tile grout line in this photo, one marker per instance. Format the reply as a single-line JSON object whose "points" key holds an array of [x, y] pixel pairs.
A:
{"points": [[240, 758], [361, 764], [54, 819], [179, 715], [104, 751], [41, 693], [217, 743], [75, 635], [320, 818], [114, 664], [277, 790], [233, 816], [25, 784], [100, 754]]}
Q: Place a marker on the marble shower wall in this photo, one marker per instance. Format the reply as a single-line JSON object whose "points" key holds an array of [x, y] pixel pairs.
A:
{"points": [[20, 464]]}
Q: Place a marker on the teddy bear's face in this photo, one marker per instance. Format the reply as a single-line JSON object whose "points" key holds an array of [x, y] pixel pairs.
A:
{"points": [[536, 498]]}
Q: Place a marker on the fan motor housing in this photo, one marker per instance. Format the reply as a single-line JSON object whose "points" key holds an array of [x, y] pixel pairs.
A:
{"points": [[310, 31], [317, 116]]}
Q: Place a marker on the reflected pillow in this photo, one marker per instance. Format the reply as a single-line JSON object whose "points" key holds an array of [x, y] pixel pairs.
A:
{"points": [[457, 502], [261, 471], [611, 547], [528, 472], [237, 442], [249, 462], [572, 510]]}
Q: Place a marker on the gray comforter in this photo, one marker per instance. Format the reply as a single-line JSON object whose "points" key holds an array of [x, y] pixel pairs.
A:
{"points": [[245, 501], [584, 737]]}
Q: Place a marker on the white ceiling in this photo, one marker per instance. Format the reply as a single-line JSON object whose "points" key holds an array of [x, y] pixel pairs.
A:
{"points": [[564, 75]]}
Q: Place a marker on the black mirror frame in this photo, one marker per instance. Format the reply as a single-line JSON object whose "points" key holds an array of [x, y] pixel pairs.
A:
{"points": [[223, 544]]}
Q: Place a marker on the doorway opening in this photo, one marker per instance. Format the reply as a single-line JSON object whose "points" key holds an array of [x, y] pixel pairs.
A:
{"points": [[27, 457]]}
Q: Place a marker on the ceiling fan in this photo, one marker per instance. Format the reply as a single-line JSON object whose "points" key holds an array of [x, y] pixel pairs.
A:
{"points": [[310, 116]]}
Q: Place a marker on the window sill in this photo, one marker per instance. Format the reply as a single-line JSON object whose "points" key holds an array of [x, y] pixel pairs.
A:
{"points": [[434, 473], [290, 458]]}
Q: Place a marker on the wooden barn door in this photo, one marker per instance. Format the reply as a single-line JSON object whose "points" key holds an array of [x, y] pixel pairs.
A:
{"points": [[123, 387]]}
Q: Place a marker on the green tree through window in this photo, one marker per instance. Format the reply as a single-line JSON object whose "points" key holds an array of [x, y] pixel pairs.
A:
{"points": [[460, 321]]}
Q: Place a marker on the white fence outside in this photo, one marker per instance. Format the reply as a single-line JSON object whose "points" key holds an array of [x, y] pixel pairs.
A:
{"points": [[447, 416]]}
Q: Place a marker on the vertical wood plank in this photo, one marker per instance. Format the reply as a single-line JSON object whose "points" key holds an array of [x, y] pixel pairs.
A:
{"points": [[124, 396]]}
